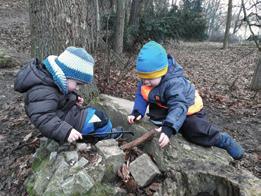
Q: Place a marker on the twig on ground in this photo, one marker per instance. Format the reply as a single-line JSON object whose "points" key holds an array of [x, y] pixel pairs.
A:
{"points": [[145, 137]]}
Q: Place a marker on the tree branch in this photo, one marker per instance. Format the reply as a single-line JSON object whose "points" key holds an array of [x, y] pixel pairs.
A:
{"points": [[253, 14], [237, 26], [254, 5], [142, 139], [256, 25], [245, 17]]}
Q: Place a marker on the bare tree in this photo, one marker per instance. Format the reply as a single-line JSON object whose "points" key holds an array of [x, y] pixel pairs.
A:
{"points": [[237, 22], [228, 24], [213, 11], [161, 5], [173, 3], [148, 6], [98, 22], [127, 11], [249, 24], [119, 32], [256, 81], [134, 22], [57, 24], [136, 6]]}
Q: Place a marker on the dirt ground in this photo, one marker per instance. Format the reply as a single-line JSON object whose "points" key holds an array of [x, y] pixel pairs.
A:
{"points": [[222, 77]]}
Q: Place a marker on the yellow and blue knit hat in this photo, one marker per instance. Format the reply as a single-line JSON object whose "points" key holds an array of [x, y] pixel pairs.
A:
{"points": [[73, 63], [152, 61]]}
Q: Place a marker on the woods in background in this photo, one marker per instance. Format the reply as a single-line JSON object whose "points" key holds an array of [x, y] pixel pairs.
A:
{"points": [[123, 25]]}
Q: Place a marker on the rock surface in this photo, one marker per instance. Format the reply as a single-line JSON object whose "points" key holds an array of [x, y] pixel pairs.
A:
{"points": [[188, 169], [64, 170], [111, 152], [143, 170]]}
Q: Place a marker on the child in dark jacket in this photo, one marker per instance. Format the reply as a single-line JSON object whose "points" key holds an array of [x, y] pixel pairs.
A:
{"points": [[174, 103], [51, 101]]}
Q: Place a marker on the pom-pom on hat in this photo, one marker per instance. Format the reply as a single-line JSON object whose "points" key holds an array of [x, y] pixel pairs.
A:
{"points": [[152, 61], [74, 63]]}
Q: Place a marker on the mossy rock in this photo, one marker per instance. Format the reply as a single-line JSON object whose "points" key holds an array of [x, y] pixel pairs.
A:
{"points": [[101, 190], [6, 60]]}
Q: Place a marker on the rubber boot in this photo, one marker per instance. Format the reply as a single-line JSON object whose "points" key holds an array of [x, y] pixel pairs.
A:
{"points": [[230, 145]]}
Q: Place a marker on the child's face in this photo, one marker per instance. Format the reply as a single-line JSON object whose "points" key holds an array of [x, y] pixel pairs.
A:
{"points": [[73, 85], [151, 82]]}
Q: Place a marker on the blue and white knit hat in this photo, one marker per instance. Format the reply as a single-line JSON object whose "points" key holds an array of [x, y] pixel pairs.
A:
{"points": [[74, 63]]}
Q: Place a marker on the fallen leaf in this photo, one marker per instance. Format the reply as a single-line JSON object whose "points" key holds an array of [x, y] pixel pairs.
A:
{"points": [[27, 137]]}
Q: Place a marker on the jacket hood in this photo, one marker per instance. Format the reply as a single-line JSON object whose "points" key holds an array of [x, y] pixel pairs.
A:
{"points": [[32, 74], [174, 69]]}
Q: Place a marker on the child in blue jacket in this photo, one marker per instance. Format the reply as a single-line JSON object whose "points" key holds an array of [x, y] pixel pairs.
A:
{"points": [[174, 103]]}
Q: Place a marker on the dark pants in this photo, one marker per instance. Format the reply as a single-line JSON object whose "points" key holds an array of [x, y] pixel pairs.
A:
{"points": [[197, 129]]}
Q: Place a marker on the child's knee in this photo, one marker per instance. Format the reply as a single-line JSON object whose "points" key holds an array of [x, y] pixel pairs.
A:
{"points": [[96, 120]]}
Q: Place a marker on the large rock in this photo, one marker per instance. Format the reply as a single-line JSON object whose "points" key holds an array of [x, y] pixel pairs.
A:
{"points": [[143, 170], [113, 158], [111, 152], [9, 58], [60, 170], [188, 169]]}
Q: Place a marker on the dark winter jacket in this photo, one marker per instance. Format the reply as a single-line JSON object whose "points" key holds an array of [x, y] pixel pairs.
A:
{"points": [[52, 112], [175, 94]]}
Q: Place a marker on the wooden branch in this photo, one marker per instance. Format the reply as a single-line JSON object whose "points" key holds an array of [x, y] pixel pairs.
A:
{"points": [[256, 25], [253, 14], [237, 26], [21, 145], [254, 5], [142, 139]]}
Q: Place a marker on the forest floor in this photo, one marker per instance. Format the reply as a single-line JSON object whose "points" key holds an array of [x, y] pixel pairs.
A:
{"points": [[222, 77]]}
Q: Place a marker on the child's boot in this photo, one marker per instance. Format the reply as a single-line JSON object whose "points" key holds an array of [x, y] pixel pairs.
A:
{"points": [[230, 145]]}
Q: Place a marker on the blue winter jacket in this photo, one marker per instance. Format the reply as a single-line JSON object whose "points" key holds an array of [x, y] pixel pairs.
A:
{"points": [[174, 91]]}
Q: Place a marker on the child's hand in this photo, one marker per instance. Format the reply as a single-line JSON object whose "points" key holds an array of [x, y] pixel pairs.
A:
{"points": [[80, 101], [164, 139], [132, 118], [74, 135]]}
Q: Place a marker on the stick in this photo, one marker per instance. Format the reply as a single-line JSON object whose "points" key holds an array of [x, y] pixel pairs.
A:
{"points": [[145, 137], [25, 144]]}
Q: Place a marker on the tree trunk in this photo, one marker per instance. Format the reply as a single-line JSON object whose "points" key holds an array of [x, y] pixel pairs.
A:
{"points": [[148, 7], [161, 6], [212, 15], [134, 22], [237, 26], [256, 81], [135, 12], [119, 32], [57, 24], [173, 3], [127, 11], [98, 22], [229, 16], [246, 18]]}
